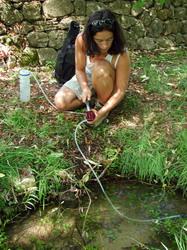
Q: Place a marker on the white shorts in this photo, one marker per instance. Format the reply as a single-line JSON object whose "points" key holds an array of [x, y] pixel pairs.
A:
{"points": [[75, 86]]}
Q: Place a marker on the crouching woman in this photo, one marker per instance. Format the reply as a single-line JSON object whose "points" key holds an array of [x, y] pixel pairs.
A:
{"points": [[102, 67]]}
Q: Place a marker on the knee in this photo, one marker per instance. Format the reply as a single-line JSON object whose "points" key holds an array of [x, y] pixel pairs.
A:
{"points": [[60, 103], [103, 69], [103, 98]]}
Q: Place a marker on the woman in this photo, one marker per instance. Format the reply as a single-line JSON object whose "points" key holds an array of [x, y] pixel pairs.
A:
{"points": [[102, 67]]}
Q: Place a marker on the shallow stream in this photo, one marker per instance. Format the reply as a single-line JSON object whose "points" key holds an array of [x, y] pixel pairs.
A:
{"points": [[61, 228]]}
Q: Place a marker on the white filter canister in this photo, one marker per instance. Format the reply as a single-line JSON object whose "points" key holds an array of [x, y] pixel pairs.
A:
{"points": [[24, 80]]}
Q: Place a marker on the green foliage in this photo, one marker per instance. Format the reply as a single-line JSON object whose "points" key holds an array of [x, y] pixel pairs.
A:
{"points": [[150, 75], [60, 130], [110, 153], [173, 232], [151, 157], [29, 58], [143, 155], [20, 120], [132, 103], [146, 139], [48, 178], [90, 247], [181, 159], [181, 237], [13, 158], [142, 3], [50, 64], [161, 73], [44, 163], [3, 241]]}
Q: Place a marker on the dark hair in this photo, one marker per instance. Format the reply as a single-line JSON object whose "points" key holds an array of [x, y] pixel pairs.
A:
{"points": [[99, 21]]}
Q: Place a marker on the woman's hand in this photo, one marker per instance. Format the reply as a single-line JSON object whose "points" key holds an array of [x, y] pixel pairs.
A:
{"points": [[86, 94], [99, 117]]}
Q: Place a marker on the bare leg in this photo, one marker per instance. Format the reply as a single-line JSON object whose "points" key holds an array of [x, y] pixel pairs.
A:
{"points": [[103, 76], [65, 99], [103, 80]]}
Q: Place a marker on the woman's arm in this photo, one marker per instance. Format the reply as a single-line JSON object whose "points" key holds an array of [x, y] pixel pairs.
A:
{"points": [[80, 64], [121, 84]]}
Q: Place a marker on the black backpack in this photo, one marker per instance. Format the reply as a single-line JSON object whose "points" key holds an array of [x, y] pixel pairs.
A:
{"points": [[65, 63]]}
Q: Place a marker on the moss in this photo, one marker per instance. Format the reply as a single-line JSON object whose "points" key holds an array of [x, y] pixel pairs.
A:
{"points": [[29, 58]]}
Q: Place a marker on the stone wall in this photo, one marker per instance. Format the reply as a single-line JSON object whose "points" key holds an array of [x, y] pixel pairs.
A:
{"points": [[35, 30]]}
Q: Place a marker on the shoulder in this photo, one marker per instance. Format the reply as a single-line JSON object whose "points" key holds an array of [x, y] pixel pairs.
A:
{"points": [[124, 56], [80, 42], [123, 60], [80, 37], [125, 53]]}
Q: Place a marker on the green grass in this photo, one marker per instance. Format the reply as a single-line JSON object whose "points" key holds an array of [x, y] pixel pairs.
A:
{"points": [[173, 232], [143, 155], [144, 139], [159, 72], [181, 238], [20, 120]]}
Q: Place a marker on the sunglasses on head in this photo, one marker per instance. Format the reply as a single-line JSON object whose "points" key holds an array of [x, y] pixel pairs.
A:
{"points": [[102, 23]]}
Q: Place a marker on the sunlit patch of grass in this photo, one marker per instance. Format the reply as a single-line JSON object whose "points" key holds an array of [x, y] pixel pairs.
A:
{"points": [[177, 76], [20, 120], [14, 158], [158, 73], [25, 126], [177, 70], [143, 155], [152, 77], [56, 129], [181, 159], [149, 154], [176, 109], [169, 57], [43, 162], [47, 167]]}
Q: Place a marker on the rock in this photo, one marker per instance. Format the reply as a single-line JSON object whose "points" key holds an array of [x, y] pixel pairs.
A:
{"points": [[52, 226], [38, 39], [120, 7], [32, 11], [127, 21], [80, 7], [46, 55], [25, 184], [90, 6], [146, 43], [156, 28], [56, 39], [165, 43], [173, 27], [9, 15], [57, 8]]}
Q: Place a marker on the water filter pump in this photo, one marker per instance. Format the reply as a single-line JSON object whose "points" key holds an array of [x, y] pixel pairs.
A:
{"points": [[90, 115]]}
